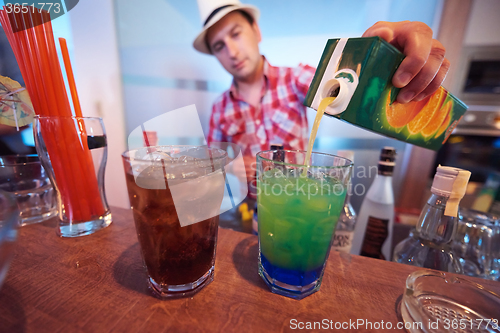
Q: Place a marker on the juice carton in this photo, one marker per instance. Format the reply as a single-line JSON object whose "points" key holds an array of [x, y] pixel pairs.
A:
{"points": [[358, 72]]}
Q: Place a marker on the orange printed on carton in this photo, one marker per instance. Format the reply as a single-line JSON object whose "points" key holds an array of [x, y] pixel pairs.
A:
{"points": [[438, 119], [423, 117]]}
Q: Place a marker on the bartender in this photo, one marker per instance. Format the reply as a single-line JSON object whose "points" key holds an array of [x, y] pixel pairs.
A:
{"points": [[263, 105]]}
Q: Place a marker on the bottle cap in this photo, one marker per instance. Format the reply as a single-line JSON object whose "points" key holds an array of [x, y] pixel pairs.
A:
{"points": [[386, 161], [279, 155], [388, 154], [443, 180], [452, 183], [342, 86], [385, 168], [457, 192]]}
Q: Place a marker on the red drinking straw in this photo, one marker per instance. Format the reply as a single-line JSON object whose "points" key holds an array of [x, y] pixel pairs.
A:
{"points": [[56, 148], [98, 208], [89, 180], [30, 68], [34, 48], [71, 147], [71, 77]]}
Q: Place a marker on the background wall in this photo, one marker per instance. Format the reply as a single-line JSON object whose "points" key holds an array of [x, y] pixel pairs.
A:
{"points": [[162, 72], [484, 23]]}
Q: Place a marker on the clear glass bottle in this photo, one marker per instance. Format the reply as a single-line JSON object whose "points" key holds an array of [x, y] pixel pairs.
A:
{"points": [[344, 232], [429, 245], [373, 235]]}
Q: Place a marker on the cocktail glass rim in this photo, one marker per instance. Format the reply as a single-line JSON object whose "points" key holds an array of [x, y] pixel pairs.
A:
{"points": [[259, 155], [67, 117], [126, 154]]}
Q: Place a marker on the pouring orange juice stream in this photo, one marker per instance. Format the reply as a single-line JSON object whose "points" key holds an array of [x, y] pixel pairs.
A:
{"points": [[319, 114]]}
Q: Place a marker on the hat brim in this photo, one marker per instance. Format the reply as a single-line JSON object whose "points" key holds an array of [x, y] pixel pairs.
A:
{"points": [[200, 44]]}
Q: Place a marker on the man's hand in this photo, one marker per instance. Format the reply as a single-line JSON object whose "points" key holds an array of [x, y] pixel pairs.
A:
{"points": [[424, 68]]}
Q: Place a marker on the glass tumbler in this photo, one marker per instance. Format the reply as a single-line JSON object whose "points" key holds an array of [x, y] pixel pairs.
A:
{"points": [[298, 209], [176, 194], [477, 243], [73, 150], [25, 178]]}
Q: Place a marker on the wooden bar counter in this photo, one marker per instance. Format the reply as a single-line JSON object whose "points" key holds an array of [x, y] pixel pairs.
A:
{"points": [[97, 284]]}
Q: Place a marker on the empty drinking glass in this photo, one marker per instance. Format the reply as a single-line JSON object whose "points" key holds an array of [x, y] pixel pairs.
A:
{"points": [[477, 243], [25, 178]]}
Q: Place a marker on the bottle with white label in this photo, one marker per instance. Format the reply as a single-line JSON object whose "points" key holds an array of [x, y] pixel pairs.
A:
{"points": [[429, 244], [373, 232], [344, 232]]}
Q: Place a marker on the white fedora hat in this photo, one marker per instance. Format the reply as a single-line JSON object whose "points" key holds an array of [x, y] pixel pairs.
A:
{"points": [[211, 11]]}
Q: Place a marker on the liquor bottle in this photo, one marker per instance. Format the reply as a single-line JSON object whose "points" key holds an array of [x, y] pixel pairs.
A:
{"points": [[342, 239], [373, 233], [429, 244]]}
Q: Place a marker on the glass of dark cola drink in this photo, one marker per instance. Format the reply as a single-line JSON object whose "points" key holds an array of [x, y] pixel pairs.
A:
{"points": [[175, 193]]}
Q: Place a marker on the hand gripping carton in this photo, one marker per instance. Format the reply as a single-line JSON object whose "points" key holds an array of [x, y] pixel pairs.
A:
{"points": [[358, 71]]}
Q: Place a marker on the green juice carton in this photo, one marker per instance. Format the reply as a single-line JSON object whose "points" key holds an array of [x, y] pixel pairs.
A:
{"points": [[358, 72]]}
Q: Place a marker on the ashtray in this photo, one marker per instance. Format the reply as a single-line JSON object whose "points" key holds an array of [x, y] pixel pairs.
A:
{"points": [[443, 302]]}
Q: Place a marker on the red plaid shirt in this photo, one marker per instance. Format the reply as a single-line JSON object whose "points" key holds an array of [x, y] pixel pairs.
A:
{"points": [[279, 119]]}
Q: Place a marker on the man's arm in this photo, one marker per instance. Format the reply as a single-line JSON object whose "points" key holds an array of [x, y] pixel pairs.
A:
{"points": [[425, 66], [302, 78]]}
